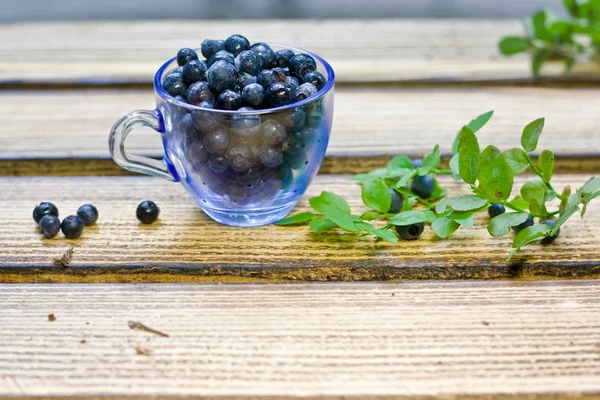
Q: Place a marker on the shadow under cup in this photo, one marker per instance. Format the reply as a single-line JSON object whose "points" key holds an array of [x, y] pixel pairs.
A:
{"points": [[246, 168]]}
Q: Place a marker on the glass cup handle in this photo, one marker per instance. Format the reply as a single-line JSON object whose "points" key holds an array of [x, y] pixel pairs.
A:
{"points": [[133, 162]]}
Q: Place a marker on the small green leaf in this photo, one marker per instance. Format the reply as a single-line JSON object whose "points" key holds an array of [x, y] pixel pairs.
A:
{"points": [[376, 195], [501, 224], [495, 174], [531, 134], [382, 173], [468, 163], [474, 125], [441, 207], [444, 227], [511, 45], [566, 193], [464, 218], [466, 202], [411, 217], [520, 202], [321, 225], [371, 215], [438, 191], [403, 180], [386, 235], [534, 193], [537, 60], [530, 234], [540, 30], [407, 204], [454, 167], [572, 7], [517, 160], [335, 208], [400, 162], [430, 161], [546, 164], [591, 186], [296, 219]]}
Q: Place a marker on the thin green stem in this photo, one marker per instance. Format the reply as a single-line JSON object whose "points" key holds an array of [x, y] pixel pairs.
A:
{"points": [[442, 172], [425, 203], [539, 174], [505, 203]]}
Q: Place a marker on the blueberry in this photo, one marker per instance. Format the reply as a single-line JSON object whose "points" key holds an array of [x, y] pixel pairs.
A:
{"points": [[266, 54], [397, 200], [294, 119], [283, 58], [248, 61], [72, 227], [194, 71], [240, 158], [416, 163], [235, 44], [88, 214], [302, 64], [244, 79], [50, 225], [292, 81], [305, 91], [316, 78], [246, 124], [147, 212], [229, 100], [217, 164], [199, 92], [181, 98], [174, 85], [495, 209], [526, 224], [206, 121], [253, 95], [44, 208], [270, 157], [282, 71], [221, 75], [267, 77], [196, 154], [217, 142], [422, 186], [178, 70], [550, 239], [185, 55], [279, 94], [210, 47], [207, 104], [221, 56], [273, 133], [410, 232]]}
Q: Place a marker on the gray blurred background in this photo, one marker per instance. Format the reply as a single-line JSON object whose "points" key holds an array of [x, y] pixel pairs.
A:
{"points": [[53, 10]]}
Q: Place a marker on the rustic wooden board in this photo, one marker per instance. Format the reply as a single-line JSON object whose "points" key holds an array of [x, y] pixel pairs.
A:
{"points": [[446, 340], [65, 132], [186, 246], [360, 51]]}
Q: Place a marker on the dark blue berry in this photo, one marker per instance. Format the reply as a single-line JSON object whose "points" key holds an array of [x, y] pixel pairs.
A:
{"points": [[422, 186], [294, 119], [305, 91], [273, 133], [495, 209], [207, 104], [240, 158], [417, 163], [88, 213], [178, 70], [410, 232], [44, 208], [50, 225], [279, 94], [316, 78], [550, 239], [210, 47], [185, 55], [217, 142], [292, 81], [397, 200], [181, 98], [283, 58], [221, 76], [199, 92], [246, 124], [253, 95], [147, 212], [194, 71], [266, 54], [267, 77], [221, 56], [229, 100], [270, 157], [526, 224], [244, 79], [235, 44], [283, 71], [72, 227], [174, 85], [302, 64], [248, 61], [217, 164]]}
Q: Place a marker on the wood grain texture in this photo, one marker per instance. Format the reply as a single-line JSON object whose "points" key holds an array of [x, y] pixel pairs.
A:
{"points": [[185, 246], [484, 340], [65, 132], [373, 50]]}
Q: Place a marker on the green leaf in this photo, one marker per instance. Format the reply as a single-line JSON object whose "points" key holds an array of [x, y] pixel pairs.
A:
{"points": [[501, 224], [540, 30], [438, 191], [296, 219], [444, 227], [399, 162], [534, 193], [566, 193], [569, 211], [531, 134], [412, 217], [403, 181], [517, 160], [495, 174], [530, 234], [474, 125], [463, 217], [386, 235], [371, 215], [454, 167], [520, 202], [441, 207], [321, 225], [511, 45], [572, 7], [384, 173], [430, 161], [591, 186], [537, 60], [376, 195], [466, 202], [546, 164], [407, 204], [468, 163], [335, 209]]}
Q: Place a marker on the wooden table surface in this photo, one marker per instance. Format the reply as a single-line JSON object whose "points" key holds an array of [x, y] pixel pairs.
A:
{"points": [[241, 330]]}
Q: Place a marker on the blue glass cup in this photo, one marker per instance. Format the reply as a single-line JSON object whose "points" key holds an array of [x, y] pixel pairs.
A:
{"points": [[242, 168]]}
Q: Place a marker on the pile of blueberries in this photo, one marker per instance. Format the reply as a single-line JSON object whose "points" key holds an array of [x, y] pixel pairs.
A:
{"points": [[236, 75]]}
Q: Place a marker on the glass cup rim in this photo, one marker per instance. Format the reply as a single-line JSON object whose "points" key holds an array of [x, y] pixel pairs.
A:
{"points": [[158, 88]]}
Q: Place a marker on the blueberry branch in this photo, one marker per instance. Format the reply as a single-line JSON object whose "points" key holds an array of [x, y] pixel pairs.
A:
{"points": [[541, 176]]}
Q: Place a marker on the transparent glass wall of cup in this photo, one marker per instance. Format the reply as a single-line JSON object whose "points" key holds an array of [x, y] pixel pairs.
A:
{"points": [[242, 168]]}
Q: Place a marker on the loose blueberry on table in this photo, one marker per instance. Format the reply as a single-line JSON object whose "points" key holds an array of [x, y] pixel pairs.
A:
{"points": [[147, 212], [72, 227]]}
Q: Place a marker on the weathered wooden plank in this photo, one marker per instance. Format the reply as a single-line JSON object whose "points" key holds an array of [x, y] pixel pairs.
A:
{"points": [[487, 340], [359, 50], [186, 246], [371, 124]]}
